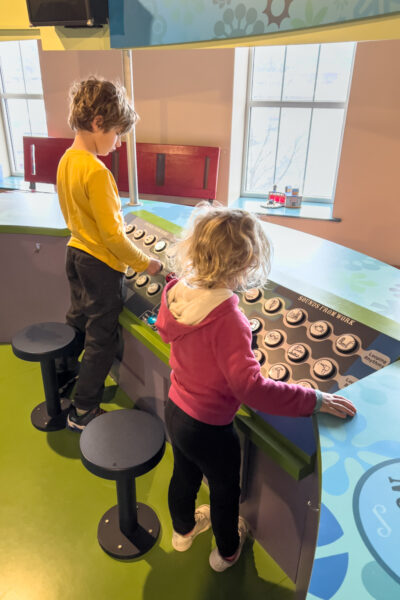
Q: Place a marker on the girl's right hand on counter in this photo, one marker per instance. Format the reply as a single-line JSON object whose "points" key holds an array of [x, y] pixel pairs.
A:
{"points": [[337, 405]]}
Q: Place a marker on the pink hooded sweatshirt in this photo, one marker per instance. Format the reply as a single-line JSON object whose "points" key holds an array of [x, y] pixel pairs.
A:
{"points": [[214, 370]]}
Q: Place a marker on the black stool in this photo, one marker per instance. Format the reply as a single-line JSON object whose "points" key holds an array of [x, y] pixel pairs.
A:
{"points": [[43, 343], [121, 445]]}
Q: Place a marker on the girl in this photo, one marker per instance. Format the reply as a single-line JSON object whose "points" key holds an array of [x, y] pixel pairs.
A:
{"points": [[214, 371]]}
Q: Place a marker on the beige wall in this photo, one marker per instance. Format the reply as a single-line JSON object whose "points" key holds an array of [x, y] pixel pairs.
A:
{"points": [[185, 97], [61, 69], [182, 96]]}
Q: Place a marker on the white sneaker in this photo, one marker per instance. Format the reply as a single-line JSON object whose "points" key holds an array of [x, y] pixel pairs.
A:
{"points": [[203, 522], [217, 562]]}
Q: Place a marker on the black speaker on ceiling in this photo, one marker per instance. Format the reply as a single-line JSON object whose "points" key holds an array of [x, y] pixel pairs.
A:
{"points": [[69, 13]]}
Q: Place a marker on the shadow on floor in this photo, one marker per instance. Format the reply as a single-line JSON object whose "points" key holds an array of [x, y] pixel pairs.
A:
{"points": [[186, 575]]}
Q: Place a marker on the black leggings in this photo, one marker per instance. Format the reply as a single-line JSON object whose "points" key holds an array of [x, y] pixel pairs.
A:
{"points": [[211, 450]]}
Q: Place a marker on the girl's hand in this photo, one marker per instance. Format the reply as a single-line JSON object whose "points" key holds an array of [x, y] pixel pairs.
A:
{"points": [[337, 406]]}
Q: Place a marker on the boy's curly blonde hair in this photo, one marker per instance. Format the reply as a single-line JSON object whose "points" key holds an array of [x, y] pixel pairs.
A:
{"points": [[98, 97], [223, 248]]}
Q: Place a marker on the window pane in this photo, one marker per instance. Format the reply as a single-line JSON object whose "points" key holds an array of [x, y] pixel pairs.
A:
{"points": [[300, 72], [262, 149], [19, 126], [334, 72], [323, 152], [31, 66], [292, 148], [11, 68], [268, 72], [37, 117]]}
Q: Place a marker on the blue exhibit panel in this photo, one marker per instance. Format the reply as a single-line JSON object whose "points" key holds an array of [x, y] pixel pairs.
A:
{"points": [[360, 514]]}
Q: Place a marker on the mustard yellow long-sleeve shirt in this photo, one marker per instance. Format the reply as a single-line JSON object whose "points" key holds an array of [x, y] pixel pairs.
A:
{"points": [[91, 207]]}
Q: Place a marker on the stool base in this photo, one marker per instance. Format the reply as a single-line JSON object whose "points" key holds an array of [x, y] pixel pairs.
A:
{"points": [[116, 544], [44, 422]]}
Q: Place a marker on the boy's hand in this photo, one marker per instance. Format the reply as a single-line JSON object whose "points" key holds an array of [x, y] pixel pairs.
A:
{"points": [[337, 406], [155, 266]]}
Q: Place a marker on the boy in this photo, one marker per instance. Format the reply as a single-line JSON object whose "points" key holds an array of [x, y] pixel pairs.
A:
{"points": [[98, 251]]}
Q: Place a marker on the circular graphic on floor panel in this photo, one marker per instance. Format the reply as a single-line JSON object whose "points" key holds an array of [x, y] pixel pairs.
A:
{"points": [[376, 507]]}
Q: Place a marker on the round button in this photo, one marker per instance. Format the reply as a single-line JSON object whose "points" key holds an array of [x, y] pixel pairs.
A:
{"points": [[297, 352], [149, 239], [129, 227], [255, 325], [272, 305], [153, 289], [252, 295], [130, 273], [278, 372], [273, 338], [160, 246], [346, 343], [139, 233], [324, 368], [152, 319], [259, 355], [320, 329], [295, 316], [142, 280], [306, 384]]}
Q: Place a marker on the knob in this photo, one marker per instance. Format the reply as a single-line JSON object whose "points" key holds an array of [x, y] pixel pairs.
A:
{"points": [[272, 305], [252, 295], [142, 280], [160, 246], [139, 233], [129, 227]]}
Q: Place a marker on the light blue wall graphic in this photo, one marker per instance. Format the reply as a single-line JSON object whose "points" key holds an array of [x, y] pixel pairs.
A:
{"points": [[140, 23]]}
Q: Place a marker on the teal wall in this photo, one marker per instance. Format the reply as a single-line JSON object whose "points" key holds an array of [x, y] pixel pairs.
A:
{"points": [[139, 23]]}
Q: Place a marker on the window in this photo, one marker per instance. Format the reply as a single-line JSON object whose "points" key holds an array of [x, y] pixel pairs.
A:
{"points": [[21, 97], [296, 105]]}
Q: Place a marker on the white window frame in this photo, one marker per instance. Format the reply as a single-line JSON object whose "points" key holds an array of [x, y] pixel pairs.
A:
{"points": [[289, 104], [5, 117]]}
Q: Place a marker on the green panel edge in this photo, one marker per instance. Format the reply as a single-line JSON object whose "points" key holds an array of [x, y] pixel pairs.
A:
{"points": [[145, 335], [157, 221], [288, 456], [51, 231]]}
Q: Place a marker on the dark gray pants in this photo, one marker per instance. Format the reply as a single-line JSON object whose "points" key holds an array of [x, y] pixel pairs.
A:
{"points": [[96, 302]]}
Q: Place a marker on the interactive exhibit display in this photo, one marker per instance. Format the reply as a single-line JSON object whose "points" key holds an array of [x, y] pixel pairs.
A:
{"points": [[300, 340]]}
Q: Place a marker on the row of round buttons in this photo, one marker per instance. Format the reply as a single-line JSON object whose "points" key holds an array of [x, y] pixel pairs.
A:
{"points": [[149, 239], [344, 344], [322, 368], [143, 280]]}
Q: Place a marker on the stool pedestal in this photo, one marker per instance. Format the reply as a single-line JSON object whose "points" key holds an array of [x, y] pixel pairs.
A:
{"points": [[119, 445], [44, 342]]}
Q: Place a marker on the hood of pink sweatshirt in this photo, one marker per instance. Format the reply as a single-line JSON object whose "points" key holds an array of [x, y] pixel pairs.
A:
{"points": [[172, 330]]}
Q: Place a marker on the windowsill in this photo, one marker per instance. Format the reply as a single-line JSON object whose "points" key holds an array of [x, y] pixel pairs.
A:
{"points": [[19, 183], [308, 210]]}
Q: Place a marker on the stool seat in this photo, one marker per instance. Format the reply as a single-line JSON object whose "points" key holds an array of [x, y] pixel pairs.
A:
{"points": [[43, 341], [122, 443]]}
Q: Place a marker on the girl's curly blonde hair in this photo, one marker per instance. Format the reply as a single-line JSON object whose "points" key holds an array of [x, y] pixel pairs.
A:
{"points": [[98, 97], [223, 247]]}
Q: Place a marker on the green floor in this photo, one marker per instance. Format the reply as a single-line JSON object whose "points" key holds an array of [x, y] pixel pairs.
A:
{"points": [[50, 506]]}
